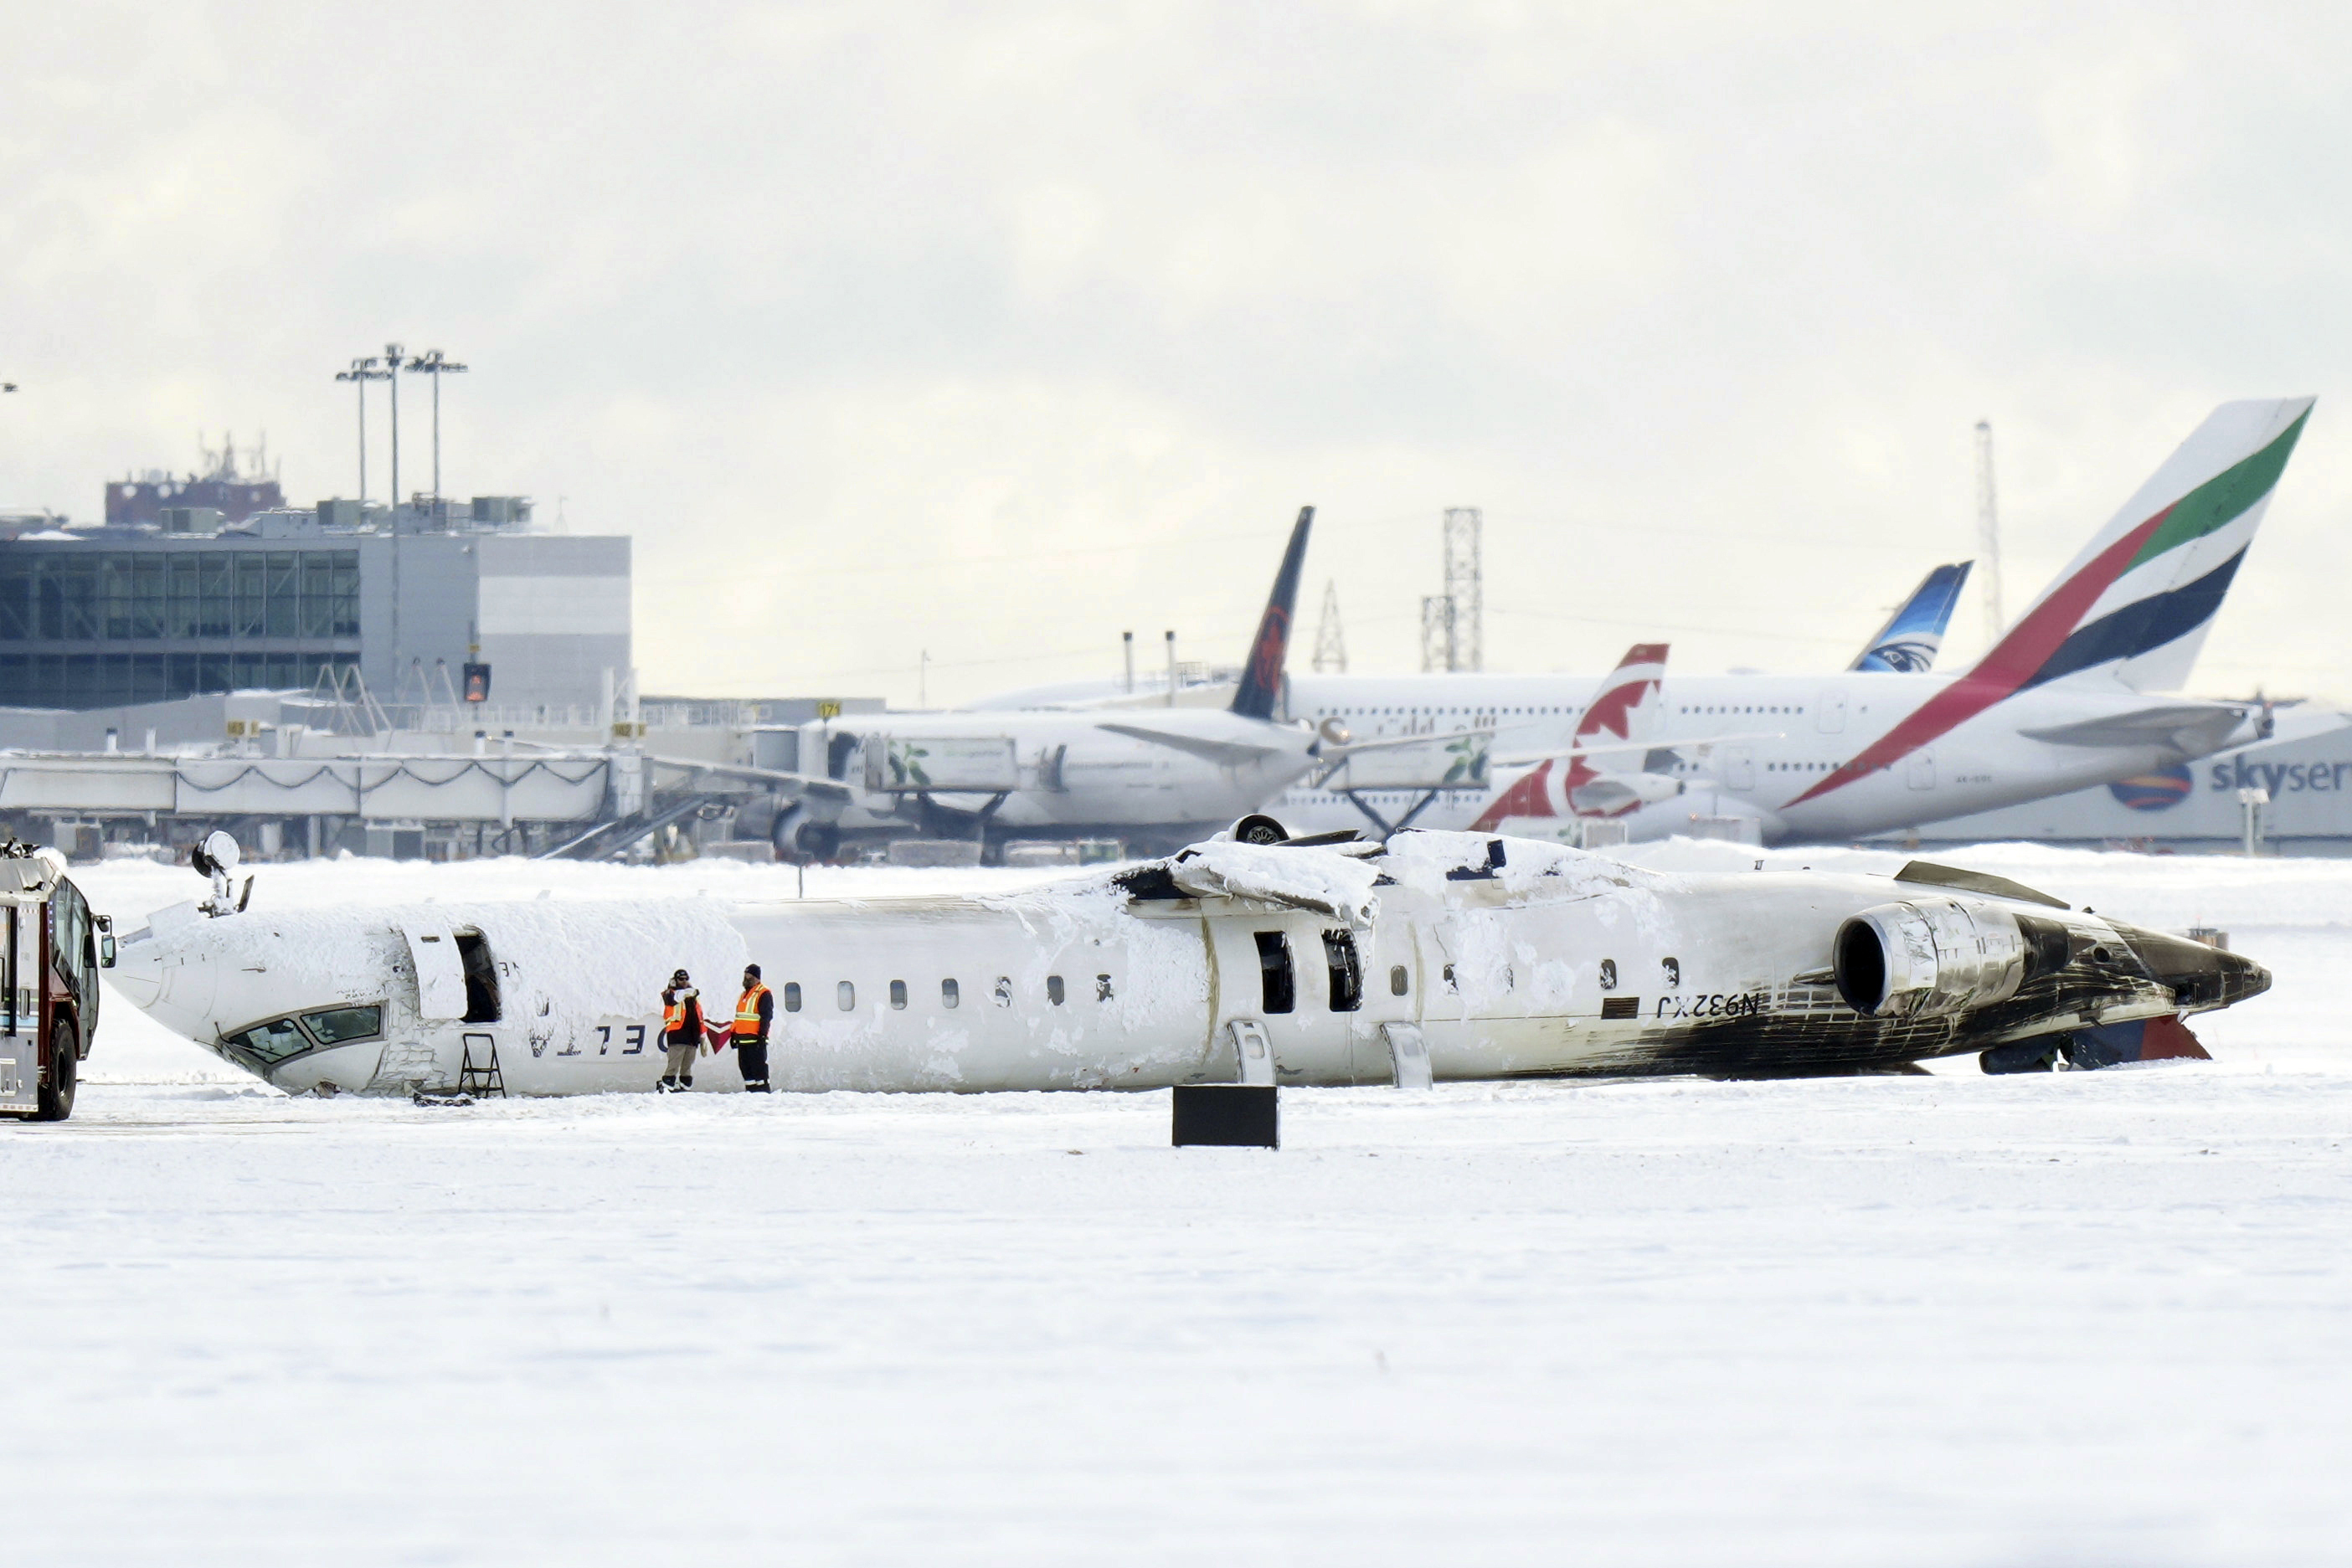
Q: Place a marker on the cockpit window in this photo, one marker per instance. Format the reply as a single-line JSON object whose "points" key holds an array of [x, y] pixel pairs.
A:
{"points": [[336, 1025], [272, 1042]]}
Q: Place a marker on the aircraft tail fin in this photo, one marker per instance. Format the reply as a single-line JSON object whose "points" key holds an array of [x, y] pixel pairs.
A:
{"points": [[2140, 600], [1261, 685], [1913, 636], [1625, 706]]}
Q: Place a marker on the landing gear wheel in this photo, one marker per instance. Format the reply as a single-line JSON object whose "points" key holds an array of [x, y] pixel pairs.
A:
{"points": [[57, 1095]]}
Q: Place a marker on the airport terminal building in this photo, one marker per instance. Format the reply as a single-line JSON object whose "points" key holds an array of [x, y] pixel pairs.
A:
{"points": [[122, 614]]}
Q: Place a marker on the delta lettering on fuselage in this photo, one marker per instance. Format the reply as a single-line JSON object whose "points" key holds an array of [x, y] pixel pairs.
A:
{"points": [[2279, 777]]}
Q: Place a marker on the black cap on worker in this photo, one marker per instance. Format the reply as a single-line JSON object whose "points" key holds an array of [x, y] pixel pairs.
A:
{"points": [[751, 970], [678, 978]]}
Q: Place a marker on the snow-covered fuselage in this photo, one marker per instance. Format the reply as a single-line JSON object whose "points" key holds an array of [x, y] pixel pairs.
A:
{"points": [[1799, 729], [1511, 958]]}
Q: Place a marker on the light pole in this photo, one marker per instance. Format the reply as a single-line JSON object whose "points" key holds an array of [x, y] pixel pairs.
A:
{"points": [[432, 364], [361, 372], [391, 363]]}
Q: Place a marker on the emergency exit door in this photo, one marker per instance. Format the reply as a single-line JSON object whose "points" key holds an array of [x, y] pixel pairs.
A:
{"points": [[20, 1007]]}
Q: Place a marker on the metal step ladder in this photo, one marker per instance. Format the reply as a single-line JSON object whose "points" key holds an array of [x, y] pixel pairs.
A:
{"points": [[481, 1075]]}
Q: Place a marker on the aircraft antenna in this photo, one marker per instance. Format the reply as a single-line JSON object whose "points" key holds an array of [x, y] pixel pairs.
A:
{"points": [[1988, 535], [1330, 642]]}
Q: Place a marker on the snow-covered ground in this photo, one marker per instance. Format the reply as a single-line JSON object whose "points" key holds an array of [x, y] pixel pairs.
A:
{"points": [[2066, 1318]]}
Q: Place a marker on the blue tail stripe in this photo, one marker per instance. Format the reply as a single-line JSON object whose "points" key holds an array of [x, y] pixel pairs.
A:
{"points": [[2140, 627]]}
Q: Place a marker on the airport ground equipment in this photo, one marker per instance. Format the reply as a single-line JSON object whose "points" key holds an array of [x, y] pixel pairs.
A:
{"points": [[1435, 956], [51, 948]]}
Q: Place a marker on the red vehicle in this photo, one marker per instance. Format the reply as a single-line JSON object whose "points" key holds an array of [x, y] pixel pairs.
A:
{"points": [[51, 950]]}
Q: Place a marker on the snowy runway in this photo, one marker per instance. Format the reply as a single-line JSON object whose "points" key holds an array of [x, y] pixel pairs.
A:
{"points": [[2097, 1317]]}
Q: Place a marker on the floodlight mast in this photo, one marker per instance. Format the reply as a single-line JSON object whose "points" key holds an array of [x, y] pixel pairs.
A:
{"points": [[361, 372], [392, 352], [432, 363]]}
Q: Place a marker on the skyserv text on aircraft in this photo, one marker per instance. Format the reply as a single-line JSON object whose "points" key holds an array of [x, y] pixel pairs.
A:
{"points": [[2069, 697], [1453, 955]]}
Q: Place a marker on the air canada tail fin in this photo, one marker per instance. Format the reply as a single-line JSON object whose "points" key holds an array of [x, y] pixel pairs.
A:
{"points": [[1623, 708], [2140, 598], [1262, 675], [1913, 636]]}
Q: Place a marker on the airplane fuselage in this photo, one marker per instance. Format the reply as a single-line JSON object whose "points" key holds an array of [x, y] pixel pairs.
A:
{"points": [[1806, 732], [1509, 960]]}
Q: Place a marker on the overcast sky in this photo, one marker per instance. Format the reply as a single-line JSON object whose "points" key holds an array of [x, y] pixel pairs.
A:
{"points": [[993, 331]]}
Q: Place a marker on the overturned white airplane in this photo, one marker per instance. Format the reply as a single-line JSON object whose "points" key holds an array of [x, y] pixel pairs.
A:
{"points": [[1452, 955]]}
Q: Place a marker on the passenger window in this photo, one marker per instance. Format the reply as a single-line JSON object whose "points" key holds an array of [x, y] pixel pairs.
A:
{"points": [[1346, 978], [846, 995], [1279, 991], [1674, 972], [1608, 974], [949, 994], [899, 993], [791, 995], [1399, 984], [1054, 989], [1003, 990], [1449, 978], [1102, 988]]}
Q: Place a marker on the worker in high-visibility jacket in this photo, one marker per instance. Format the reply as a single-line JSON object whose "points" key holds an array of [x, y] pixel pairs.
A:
{"points": [[755, 1014], [681, 1032]]}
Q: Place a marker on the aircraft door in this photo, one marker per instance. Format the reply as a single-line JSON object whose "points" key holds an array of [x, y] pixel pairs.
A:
{"points": [[1829, 711], [440, 972], [20, 1007], [1739, 768], [1919, 772], [1274, 973]]}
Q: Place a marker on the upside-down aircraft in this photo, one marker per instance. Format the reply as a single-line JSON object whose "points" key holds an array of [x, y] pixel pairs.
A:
{"points": [[2074, 695], [1442, 954]]}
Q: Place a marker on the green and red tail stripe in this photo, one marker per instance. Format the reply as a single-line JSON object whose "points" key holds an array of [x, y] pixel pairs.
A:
{"points": [[2055, 638]]}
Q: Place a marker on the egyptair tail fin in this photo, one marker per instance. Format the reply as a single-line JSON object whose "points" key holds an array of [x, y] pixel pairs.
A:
{"points": [[1913, 636], [1261, 685], [2140, 600]]}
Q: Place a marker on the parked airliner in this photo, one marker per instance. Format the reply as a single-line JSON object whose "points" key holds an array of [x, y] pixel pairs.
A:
{"points": [[2070, 697]]}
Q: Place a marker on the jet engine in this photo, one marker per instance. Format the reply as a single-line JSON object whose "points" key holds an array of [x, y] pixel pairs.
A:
{"points": [[1932, 958]]}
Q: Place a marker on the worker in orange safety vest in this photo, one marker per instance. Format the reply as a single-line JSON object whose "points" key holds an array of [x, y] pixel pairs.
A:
{"points": [[755, 1013], [681, 1033]]}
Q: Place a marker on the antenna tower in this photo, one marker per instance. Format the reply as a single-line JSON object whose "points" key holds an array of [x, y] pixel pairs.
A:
{"points": [[1988, 535], [1330, 643], [1451, 624]]}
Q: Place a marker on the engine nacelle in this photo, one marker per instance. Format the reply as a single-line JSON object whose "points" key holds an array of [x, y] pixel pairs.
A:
{"points": [[1930, 958]]}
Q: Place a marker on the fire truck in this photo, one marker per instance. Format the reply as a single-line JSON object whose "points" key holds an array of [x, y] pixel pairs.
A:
{"points": [[51, 950]]}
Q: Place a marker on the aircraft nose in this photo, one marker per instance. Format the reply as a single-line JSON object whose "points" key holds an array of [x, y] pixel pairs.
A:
{"points": [[2198, 976], [138, 971]]}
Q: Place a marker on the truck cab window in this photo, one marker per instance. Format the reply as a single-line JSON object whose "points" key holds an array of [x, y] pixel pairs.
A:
{"points": [[1279, 988], [1346, 977]]}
